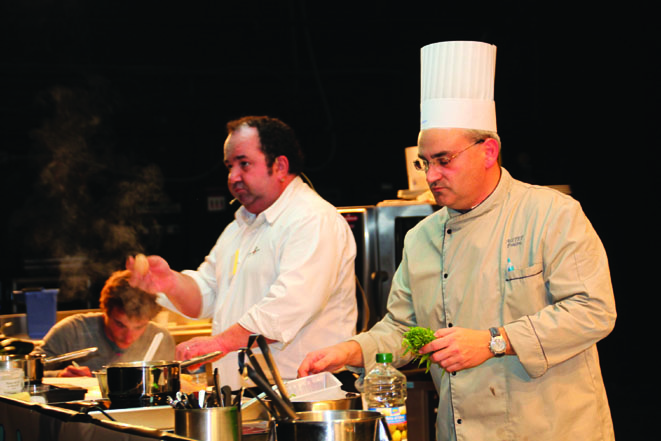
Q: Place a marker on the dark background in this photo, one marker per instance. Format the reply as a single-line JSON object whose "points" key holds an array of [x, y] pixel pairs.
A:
{"points": [[112, 119]]}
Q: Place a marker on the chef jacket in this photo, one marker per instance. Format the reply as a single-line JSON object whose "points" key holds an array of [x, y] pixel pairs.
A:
{"points": [[286, 273], [527, 259]]}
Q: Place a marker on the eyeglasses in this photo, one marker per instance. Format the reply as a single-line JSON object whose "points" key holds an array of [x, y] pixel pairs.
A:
{"points": [[424, 165]]}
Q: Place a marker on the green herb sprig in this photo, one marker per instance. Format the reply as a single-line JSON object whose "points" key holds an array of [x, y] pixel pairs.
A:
{"points": [[414, 339]]}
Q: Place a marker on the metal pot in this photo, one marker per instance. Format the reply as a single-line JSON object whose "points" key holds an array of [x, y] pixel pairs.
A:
{"points": [[338, 425], [253, 410], [33, 364], [147, 383], [352, 401]]}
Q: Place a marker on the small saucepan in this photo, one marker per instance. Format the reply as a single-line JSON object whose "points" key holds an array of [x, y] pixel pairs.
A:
{"points": [[34, 364], [147, 383]]}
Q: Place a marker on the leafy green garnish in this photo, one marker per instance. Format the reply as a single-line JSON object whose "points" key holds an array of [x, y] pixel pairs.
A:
{"points": [[414, 339]]}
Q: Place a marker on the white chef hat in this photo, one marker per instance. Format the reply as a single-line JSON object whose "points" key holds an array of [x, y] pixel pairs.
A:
{"points": [[457, 79]]}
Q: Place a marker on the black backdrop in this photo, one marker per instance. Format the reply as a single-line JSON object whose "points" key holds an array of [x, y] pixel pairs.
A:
{"points": [[112, 121]]}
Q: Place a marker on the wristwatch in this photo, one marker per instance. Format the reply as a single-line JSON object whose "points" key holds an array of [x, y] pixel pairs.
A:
{"points": [[497, 345]]}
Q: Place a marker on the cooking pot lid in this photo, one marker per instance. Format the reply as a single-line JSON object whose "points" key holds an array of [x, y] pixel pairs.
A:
{"points": [[154, 363]]}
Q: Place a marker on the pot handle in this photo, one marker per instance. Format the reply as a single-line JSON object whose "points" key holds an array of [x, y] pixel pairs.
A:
{"points": [[200, 359], [69, 355], [383, 432]]}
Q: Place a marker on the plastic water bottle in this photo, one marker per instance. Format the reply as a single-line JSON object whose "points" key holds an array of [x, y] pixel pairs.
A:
{"points": [[385, 392]]}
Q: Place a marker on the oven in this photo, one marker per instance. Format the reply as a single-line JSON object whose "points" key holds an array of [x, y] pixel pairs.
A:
{"points": [[379, 231]]}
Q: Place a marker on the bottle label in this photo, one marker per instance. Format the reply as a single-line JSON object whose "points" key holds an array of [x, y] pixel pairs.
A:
{"points": [[396, 419]]}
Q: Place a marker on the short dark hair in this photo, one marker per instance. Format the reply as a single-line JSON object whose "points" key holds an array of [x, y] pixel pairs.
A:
{"points": [[276, 139], [118, 293]]}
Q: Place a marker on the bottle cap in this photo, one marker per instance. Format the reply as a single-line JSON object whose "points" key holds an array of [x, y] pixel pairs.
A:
{"points": [[384, 357]]}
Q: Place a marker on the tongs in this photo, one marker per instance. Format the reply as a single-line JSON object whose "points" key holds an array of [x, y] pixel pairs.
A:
{"points": [[252, 369], [266, 352]]}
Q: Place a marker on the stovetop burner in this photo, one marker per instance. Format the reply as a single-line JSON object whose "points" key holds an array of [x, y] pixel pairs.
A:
{"points": [[56, 394], [123, 402]]}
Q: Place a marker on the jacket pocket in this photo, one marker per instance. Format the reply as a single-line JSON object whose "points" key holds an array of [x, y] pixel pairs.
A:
{"points": [[524, 292]]}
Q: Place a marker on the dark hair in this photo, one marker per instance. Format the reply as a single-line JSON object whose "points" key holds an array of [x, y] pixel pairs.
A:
{"points": [[136, 303], [276, 139]]}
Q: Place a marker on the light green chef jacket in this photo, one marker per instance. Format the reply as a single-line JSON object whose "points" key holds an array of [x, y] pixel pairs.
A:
{"points": [[528, 259]]}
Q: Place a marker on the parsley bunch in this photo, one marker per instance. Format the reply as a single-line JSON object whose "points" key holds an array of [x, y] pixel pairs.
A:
{"points": [[415, 338]]}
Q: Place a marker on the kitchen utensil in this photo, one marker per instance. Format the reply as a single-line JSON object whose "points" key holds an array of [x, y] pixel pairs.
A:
{"points": [[251, 410], [352, 401], [226, 396], [216, 384], [16, 346], [266, 352], [281, 410], [210, 424], [146, 383], [102, 378], [317, 387], [149, 355], [34, 364], [337, 425]]}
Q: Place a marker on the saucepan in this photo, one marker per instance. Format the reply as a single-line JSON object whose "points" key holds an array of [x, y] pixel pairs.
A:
{"points": [[338, 425], [34, 364], [147, 383]]}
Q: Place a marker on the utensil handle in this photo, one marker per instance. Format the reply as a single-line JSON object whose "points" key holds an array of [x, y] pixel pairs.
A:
{"points": [[284, 409], [200, 359], [69, 355], [155, 343], [263, 345]]}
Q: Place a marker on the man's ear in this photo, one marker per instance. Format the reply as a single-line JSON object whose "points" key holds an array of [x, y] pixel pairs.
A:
{"points": [[492, 152], [281, 166]]}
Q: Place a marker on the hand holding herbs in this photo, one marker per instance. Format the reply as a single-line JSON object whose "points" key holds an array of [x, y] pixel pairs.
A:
{"points": [[414, 339]]}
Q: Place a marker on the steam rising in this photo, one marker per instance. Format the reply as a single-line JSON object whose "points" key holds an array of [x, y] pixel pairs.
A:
{"points": [[91, 204]]}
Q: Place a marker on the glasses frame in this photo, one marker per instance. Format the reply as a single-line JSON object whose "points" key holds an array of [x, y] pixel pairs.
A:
{"points": [[421, 164]]}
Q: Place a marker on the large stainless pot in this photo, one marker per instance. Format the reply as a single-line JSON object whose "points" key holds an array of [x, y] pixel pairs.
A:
{"points": [[336, 425], [34, 364], [147, 383], [253, 410]]}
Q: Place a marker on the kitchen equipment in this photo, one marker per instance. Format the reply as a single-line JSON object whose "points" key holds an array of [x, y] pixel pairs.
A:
{"points": [[16, 346], [317, 387], [209, 424], [352, 401], [153, 347], [102, 378], [50, 393], [336, 425], [260, 408], [266, 352], [379, 231], [147, 383], [34, 364], [282, 409]]}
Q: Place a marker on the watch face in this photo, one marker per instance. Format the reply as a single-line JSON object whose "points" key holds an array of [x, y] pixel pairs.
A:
{"points": [[498, 345]]}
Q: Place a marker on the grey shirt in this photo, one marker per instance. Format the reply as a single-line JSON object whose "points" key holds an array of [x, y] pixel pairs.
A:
{"points": [[86, 330]]}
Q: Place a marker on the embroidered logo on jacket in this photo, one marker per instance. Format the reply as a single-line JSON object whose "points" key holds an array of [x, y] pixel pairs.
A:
{"points": [[515, 241]]}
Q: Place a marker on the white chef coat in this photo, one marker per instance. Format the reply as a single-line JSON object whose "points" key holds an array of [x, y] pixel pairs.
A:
{"points": [[286, 273]]}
